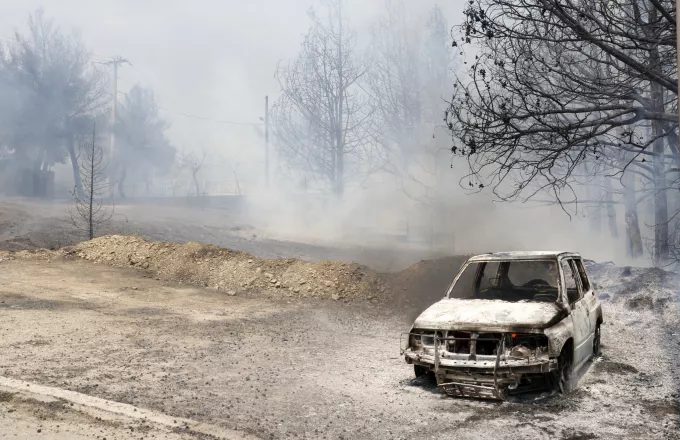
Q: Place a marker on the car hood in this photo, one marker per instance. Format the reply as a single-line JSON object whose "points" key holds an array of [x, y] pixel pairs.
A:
{"points": [[477, 314]]}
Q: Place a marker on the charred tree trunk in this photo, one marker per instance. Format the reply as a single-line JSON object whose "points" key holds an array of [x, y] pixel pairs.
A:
{"points": [[611, 210], [339, 130], [238, 185], [45, 165], [673, 177], [595, 210], [660, 184], [633, 236], [198, 189], [660, 198], [121, 183], [91, 186], [334, 163], [75, 166]]}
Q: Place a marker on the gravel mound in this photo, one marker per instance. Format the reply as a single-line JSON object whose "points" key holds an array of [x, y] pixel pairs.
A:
{"points": [[413, 289], [234, 272]]}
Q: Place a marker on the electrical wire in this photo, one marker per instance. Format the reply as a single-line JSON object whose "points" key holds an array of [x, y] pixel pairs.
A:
{"points": [[222, 121], [192, 116]]}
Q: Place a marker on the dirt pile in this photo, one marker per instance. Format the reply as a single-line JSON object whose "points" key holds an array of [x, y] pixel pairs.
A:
{"points": [[412, 289], [425, 282], [234, 272], [38, 254]]}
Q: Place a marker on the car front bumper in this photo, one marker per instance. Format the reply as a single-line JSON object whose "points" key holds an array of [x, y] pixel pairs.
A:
{"points": [[485, 376]]}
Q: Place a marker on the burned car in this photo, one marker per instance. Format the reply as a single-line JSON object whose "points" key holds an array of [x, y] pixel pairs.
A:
{"points": [[510, 322]]}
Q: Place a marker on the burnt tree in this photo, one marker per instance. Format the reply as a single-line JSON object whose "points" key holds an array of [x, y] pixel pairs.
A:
{"points": [[90, 212], [323, 119], [561, 82]]}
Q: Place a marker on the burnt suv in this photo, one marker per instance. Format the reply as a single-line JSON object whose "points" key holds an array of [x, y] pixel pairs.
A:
{"points": [[510, 322]]}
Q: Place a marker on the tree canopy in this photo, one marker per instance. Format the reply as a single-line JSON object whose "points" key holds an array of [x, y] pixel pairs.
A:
{"points": [[556, 81]]}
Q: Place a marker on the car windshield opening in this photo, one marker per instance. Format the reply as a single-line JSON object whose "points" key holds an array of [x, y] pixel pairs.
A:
{"points": [[515, 281]]}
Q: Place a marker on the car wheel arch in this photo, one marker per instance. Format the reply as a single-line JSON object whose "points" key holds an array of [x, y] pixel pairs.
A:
{"points": [[558, 335], [569, 345]]}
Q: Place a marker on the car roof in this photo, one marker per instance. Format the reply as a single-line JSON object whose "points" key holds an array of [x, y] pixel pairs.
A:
{"points": [[524, 255]]}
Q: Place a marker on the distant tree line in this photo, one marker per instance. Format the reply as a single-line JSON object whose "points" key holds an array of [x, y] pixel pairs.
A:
{"points": [[51, 94]]}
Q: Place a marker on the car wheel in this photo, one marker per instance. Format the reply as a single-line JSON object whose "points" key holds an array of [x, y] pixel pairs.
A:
{"points": [[419, 370], [560, 379], [597, 347]]}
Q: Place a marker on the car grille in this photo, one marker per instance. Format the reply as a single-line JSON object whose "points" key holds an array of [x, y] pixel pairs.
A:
{"points": [[464, 342]]}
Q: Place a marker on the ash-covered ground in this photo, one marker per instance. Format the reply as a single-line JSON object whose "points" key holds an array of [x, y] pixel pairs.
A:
{"points": [[276, 363]]}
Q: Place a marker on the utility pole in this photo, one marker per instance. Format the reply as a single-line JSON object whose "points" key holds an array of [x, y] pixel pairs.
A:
{"points": [[266, 140], [114, 107]]}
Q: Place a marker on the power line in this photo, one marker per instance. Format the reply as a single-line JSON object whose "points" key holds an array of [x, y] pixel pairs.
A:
{"points": [[222, 121], [8, 40], [192, 116], [101, 57], [201, 117]]}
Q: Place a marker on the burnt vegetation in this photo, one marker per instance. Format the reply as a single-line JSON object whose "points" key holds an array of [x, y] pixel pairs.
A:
{"points": [[562, 95], [52, 89], [91, 210]]}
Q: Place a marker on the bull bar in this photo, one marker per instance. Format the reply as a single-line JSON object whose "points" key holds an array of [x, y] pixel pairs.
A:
{"points": [[470, 385]]}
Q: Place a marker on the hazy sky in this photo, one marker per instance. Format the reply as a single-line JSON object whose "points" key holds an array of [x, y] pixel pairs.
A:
{"points": [[213, 58]]}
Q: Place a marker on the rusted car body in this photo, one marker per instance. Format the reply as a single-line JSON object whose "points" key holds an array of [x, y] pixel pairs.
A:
{"points": [[509, 322]]}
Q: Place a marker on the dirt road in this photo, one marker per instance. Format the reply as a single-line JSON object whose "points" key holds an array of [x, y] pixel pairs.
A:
{"points": [[291, 368], [29, 411], [28, 224]]}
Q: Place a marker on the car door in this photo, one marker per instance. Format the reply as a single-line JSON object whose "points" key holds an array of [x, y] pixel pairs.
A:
{"points": [[589, 298], [579, 312]]}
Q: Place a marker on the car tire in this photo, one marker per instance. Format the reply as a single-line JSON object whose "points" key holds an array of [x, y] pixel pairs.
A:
{"points": [[561, 378], [597, 345], [420, 371]]}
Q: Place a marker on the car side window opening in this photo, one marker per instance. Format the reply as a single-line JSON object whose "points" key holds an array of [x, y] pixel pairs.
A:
{"points": [[570, 282], [582, 272]]}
